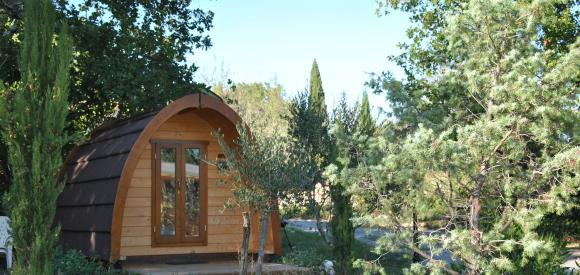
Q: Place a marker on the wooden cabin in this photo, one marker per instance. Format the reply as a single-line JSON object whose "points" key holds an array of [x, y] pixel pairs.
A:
{"points": [[143, 187]]}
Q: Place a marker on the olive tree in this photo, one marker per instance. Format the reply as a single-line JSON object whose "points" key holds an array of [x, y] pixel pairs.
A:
{"points": [[261, 169]]}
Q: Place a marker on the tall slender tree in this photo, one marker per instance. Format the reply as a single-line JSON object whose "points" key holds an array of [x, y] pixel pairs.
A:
{"points": [[316, 100], [343, 129], [366, 123], [309, 125], [318, 138], [33, 115]]}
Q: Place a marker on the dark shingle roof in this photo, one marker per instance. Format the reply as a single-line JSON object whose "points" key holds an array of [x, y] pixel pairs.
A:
{"points": [[92, 174]]}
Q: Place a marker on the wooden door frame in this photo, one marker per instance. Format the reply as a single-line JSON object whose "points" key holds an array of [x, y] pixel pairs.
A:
{"points": [[156, 144]]}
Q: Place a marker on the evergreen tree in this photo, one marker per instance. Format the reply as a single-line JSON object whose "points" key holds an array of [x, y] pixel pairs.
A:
{"points": [[366, 124], [33, 120], [317, 128], [308, 124], [343, 132], [487, 119], [316, 100]]}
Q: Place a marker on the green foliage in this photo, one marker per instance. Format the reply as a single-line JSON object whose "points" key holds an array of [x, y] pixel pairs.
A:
{"points": [[35, 145], [310, 251], [485, 129], [352, 129], [309, 120], [316, 100], [366, 124], [342, 228], [308, 125], [258, 104], [130, 57], [263, 168], [307, 249], [74, 262], [343, 125]]}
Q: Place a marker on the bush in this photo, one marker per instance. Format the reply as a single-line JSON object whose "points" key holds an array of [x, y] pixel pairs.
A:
{"points": [[73, 262]]}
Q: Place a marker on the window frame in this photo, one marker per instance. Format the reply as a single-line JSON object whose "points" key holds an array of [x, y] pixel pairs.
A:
{"points": [[179, 239]]}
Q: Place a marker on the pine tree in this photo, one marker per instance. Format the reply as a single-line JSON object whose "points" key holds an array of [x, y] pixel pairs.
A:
{"points": [[487, 132], [33, 114]]}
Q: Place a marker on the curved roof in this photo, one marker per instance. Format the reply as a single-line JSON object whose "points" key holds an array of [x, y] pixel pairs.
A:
{"points": [[98, 173]]}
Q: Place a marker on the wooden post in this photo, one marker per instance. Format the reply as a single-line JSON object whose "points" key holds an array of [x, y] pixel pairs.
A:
{"points": [[245, 243]]}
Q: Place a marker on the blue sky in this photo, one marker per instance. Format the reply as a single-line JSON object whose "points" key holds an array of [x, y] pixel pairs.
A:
{"points": [[276, 41]]}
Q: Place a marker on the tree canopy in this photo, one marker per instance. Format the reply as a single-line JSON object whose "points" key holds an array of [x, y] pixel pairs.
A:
{"points": [[485, 119], [130, 57]]}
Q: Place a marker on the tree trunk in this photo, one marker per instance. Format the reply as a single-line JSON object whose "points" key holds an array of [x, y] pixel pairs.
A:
{"points": [[320, 228], [263, 233], [416, 257], [317, 217], [245, 243], [475, 215]]}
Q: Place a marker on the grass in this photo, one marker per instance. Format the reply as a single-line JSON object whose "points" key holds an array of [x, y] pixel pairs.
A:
{"points": [[309, 250]]}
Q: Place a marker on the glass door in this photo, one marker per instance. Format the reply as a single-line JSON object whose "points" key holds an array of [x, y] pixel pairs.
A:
{"points": [[180, 193], [166, 193], [193, 195]]}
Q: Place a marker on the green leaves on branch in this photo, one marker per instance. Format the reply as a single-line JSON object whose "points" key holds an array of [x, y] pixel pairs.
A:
{"points": [[33, 115], [263, 167], [488, 103]]}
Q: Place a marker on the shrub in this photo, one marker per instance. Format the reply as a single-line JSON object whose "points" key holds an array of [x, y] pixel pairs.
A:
{"points": [[73, 262]]}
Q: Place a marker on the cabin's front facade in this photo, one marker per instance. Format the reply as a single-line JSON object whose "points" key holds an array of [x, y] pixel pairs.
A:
{"points": [[143, 187]]}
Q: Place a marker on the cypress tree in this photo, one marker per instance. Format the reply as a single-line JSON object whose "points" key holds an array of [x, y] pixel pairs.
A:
{"points": [[345, 125], [309, 125], [317, 136], [366, 124], [32, 120], [316, 102], [342, 227], [317, 122]]}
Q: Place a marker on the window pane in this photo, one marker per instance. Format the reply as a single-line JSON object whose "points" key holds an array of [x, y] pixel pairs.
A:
{"points": [[192, 192], [168, 192]]}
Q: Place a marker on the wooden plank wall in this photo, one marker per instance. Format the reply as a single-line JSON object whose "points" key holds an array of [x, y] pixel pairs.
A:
{"points": [[224, 229]]}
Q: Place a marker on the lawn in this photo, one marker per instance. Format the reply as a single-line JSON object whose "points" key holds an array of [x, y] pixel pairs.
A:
{"points": [[308, 249]]}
